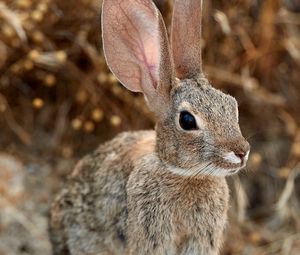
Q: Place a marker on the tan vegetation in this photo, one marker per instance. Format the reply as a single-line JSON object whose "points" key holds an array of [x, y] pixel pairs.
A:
{"points": [[58, 101]]}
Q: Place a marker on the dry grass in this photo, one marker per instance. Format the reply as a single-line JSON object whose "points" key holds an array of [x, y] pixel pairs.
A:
{"points": [[58, 101]]}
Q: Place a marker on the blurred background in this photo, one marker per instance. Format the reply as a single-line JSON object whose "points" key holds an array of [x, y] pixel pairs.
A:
{"points": [[58, 101]]}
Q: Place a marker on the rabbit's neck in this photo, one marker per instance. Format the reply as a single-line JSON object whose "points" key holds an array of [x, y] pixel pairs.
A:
{"points": [[176, 213]]}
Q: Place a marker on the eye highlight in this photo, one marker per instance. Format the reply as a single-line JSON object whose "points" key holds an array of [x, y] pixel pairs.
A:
{"points": [[187, 121]]}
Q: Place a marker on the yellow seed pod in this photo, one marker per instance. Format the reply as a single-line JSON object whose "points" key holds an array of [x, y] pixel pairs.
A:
{"points": [[37, 15], [61, 56], [255, 159], [67, 152], [116, 89], [296, 149], [89, 127], [15, 68], [24, 3], [50, 80], [115, 121], [112, 79], [43, 7], [81, 96], [8, 31], [97, 115], [3, 107], [37, 37], [102, 78], [284, 172], [76, 124], [34, 55], [28, 65], [255, 237], [38, 103]]}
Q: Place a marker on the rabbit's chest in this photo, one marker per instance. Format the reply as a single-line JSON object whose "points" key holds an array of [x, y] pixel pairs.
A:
{"points": [[172, 229], [195, 228], [178, 218]]}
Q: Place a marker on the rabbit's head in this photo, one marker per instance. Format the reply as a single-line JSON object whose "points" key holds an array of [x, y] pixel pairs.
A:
{"points": [[197, 125]]}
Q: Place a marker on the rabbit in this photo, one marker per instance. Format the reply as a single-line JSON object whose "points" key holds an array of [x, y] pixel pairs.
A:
{"points": [[160, 191]]}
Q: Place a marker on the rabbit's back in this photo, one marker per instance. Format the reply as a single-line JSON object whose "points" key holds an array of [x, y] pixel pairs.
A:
{"points": [[89, 215]]}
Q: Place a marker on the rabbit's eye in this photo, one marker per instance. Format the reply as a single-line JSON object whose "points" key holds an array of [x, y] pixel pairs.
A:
{"points": [[187, 121]]}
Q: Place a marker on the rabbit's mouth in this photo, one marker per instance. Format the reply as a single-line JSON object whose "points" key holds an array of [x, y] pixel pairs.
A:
{"points": [[236, 158], [229, 163], [234, 166], [226, 169], [218, 165]]}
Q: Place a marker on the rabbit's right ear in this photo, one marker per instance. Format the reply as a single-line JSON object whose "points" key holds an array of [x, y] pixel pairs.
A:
{"points": [[136, 48], [186, 38]]}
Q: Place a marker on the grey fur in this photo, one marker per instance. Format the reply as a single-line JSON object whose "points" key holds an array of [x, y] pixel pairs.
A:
{"points": [[122, 199], [159, 192]]}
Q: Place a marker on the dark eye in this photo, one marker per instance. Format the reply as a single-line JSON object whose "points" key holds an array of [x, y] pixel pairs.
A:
{"points": [[187, 121]]}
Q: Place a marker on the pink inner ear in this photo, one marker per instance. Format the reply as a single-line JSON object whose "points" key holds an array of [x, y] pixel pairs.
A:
{"points": [[131, 39], [146, 48], [151, 59]]}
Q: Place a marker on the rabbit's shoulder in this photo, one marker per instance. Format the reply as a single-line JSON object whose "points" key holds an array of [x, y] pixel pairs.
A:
{"points": [[120, 154], [94, 197], [104, 172]]}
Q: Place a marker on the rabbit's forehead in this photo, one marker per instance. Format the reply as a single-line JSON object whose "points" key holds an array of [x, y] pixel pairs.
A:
{"points": [[204, 100]]}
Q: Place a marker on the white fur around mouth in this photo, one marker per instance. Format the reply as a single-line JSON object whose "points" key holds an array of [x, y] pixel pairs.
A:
{"points": [[232, 158], [201, 169]]}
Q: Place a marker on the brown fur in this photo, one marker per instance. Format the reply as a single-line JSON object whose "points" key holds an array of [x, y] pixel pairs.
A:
{"points": [[86, 219], [187, 56], [176, 215], [142, 147], [159, 192]]}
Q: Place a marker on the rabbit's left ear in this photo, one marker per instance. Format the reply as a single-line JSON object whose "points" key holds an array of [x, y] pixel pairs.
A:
{"points": [[186, 38], [136, 48]]}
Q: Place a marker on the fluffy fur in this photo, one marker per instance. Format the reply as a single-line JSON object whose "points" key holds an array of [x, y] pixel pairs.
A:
{"points": [[159, 192]]}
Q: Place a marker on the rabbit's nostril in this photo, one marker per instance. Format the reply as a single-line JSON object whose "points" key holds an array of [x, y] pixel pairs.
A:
{"points": [[240, 154]]}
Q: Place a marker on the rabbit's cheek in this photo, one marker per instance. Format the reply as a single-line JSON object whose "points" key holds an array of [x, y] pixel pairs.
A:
{"points": [[228, 164]]}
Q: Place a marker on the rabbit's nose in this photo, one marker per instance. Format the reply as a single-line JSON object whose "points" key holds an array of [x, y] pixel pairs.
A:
{"points": [[243, 153], [240, 154]]}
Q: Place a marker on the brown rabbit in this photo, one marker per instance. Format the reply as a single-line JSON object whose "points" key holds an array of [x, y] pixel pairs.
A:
{"points": [[164, 191]]}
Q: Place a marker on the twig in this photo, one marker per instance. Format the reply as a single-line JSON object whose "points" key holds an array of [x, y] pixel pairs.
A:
{"points": [[13, 125], [247, 83], [288, 190], [13, 19]]}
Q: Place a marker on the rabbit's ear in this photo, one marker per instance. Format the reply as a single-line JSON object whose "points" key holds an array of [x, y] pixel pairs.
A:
{"points": [[186, 37], [136, 47]]}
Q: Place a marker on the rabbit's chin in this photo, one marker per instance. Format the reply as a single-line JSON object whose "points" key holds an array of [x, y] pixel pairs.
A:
{"points": [[223, 172], [227, 169], [207, 169]]}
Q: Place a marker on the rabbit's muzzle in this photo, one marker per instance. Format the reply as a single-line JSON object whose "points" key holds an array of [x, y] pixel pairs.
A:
{"points": [[237, 153]]}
